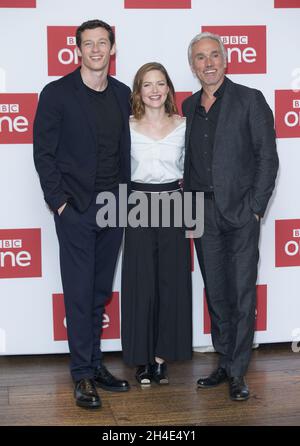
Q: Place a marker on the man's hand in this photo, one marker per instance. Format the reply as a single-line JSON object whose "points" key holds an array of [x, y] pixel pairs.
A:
{"points": [[59, 210], [257, 217]]}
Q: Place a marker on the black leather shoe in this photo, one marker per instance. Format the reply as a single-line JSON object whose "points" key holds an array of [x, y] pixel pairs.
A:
{"points": [[160, 374], [217, 377], [238, 388], [144, 375], [86, 394], [104, 379]]}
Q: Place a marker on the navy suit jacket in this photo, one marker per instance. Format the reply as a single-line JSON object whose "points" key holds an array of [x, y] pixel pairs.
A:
{"points": [[65, 141], [245, 160]]}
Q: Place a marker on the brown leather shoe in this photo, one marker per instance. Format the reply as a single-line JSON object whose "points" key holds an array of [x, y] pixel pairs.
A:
{"points": [[217, 377]]}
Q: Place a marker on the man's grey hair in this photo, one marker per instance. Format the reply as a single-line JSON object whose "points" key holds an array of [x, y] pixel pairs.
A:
{"points": [[206, 35]]}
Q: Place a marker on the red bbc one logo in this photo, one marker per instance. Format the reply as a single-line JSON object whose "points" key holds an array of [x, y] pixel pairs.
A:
{"points": [[287, 242], [110, 323], [287, 3], [17, 113], [260, 312], [246, 47], [157, 4], [287, 113], [62, 52], [180, 96], [17, 3], [20, 253]]}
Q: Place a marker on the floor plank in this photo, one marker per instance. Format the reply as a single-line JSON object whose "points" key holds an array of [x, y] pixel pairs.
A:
{"points": [[37, 391]]}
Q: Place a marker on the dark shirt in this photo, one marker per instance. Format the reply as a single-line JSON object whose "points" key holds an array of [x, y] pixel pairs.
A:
{"points": [[202, 142], [108, 119]]}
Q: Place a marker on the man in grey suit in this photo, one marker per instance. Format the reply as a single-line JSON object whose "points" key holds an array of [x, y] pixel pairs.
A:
{"points": [[231, 157]]}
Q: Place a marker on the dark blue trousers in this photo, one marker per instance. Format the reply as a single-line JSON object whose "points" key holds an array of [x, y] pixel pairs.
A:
{"points": [[88, 256]]}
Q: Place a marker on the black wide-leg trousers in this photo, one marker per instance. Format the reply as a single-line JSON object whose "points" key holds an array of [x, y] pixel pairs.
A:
{"points": [[156, 295]]}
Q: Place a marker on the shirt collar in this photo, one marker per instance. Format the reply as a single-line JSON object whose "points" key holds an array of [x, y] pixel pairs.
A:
{"points": [[220, 91]]}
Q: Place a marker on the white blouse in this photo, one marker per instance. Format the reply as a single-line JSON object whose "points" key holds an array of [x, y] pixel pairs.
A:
{"points": [[157, 161]]}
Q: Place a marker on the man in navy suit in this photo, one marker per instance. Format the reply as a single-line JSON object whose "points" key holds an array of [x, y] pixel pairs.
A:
{"points": [[231, 157], [81, 148]]}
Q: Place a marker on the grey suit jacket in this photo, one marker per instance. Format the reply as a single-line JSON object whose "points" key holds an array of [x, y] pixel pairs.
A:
{"points": [[245, 160]]}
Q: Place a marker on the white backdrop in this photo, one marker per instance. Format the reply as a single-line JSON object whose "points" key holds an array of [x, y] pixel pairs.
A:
{"points": [[30, 276]]}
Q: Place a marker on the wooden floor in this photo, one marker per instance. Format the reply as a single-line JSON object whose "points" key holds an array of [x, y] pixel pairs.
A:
{"points": [[37, 391]]}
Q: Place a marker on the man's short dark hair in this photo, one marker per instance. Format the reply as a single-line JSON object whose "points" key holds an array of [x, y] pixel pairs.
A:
{"points": [[92, 24]]}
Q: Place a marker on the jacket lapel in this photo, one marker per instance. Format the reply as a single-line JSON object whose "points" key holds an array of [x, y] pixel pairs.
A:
{"points": [[124, 107], [225, 114], [190, 112], [190, 117]]}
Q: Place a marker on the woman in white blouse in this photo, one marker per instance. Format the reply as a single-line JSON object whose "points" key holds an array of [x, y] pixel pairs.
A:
{"points": [[156, 273]]}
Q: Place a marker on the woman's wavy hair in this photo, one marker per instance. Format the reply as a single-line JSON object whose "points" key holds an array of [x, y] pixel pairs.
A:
{"points": [[138, 107]]}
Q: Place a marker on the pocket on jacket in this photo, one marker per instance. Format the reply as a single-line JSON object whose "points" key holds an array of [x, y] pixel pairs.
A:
{"points": [[65, 210], [68, 215]]}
